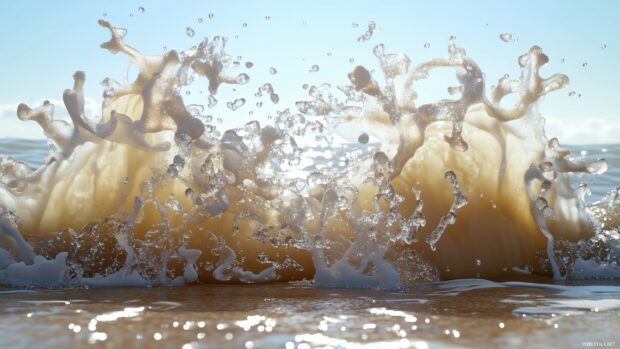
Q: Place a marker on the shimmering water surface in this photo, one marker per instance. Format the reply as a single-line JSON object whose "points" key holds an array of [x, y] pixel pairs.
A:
{"points": [[463, 313]]}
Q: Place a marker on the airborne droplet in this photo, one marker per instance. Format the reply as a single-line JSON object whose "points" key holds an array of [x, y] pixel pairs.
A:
{"points": [[273, 71], [506, 37], [174, 205], [363, 138], [236, 104], [242, 79], [141, 9], [263, 257], [210, 15], [314, 68], [427, 45], [190, 31], [585, 64], [212, 101], [249, 65], [368, 34]]}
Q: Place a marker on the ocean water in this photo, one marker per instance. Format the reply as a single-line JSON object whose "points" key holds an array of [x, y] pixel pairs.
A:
{"points": [[34, 153], [472, 313], [526, 311], [356, 216]]}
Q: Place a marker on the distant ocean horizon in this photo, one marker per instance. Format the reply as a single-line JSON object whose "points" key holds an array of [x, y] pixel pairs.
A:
{"points": [[34, 152]]}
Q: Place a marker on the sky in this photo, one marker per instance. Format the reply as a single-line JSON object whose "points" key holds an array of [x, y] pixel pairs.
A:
{"points": [[45, 42]]}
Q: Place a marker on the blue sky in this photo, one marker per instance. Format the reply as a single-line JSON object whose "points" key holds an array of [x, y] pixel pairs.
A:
{"points": [[44, 42]]}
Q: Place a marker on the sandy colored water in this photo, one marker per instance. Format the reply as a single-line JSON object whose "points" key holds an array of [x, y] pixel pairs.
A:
{"points": [[464, 313]]}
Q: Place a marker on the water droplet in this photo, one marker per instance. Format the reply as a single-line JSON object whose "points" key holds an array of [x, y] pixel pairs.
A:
{"points": [[104, 14], [174, 205], [329, 54], [141, 9], [427, 45], [363, 138], [506, 37], [212, 102], [199, 19], [314, 68], [211, 15], [584, 64], [236, 104], [190, 32], [242, 79], [245, 25], [267, 18], [273, 71], [262, 257], [275, 98], [355, 25], [351, 60], [249, 65], [562, 60], [187, 93], [478, 262], [571, 93], [304, 86], [598, 167], [189, 193], [604, 46]]}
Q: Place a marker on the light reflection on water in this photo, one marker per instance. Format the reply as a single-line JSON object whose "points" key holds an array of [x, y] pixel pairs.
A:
{"points": [[34, 152], [470, 313]]}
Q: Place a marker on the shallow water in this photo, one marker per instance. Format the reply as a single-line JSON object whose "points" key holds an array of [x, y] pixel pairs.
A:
{"points": [[461, 313]]}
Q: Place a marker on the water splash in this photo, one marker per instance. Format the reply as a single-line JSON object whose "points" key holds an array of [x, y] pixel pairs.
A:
{"points": [[154, 193]]}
